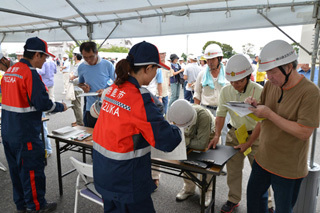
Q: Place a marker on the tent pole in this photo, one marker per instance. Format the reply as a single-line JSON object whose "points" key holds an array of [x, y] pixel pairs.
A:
{"points": [[78, 11], [260, 12], [39, 16], [313, 66], [108, 35], [4, 36]]}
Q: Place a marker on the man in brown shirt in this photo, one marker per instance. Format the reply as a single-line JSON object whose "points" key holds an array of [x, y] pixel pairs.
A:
{"points": [[290, 103]]}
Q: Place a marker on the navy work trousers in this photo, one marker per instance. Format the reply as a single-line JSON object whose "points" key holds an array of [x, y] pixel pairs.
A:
{"points": [[26, 165], [285, 191]]}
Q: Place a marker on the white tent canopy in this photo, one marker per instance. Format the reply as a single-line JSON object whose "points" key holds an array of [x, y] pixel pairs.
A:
{"points": [[65, 20]]}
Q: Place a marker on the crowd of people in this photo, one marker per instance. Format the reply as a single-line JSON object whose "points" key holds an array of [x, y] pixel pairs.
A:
{"points": [[141, 107]]}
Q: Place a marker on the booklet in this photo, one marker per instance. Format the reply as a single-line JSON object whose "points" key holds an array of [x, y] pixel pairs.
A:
{"points": [[242, 136]]}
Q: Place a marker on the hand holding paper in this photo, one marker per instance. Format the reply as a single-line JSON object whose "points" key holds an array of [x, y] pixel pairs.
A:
{"points": [[261, 111]]}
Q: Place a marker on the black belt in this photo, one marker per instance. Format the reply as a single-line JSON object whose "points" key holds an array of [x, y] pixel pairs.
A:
{"points": [[231, 127], [210, 107]]}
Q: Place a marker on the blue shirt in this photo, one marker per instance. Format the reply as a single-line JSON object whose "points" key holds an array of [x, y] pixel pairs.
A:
{"points": [[308, 74], [159, 76], [47, 72], [96, 76]]}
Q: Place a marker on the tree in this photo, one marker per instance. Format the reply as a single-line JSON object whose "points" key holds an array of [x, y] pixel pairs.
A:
{"points": [[226, 48], [184, 56], [295, 47], [115, 49], [248, 49]]}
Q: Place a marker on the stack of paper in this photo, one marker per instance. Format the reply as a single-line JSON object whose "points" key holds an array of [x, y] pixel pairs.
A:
{"points": [[67, 132], [242, 109]]}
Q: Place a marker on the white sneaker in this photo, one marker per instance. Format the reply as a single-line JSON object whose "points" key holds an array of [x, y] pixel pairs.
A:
{"points": [[183, 195], [63, 93], [208, 198]]}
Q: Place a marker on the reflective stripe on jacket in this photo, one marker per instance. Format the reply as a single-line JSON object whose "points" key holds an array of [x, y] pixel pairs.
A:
{"points": [[129, 122], [24, 97]]}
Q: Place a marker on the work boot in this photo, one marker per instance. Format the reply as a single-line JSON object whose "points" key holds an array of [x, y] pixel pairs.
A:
{"points": [[229, 207], [49, 207]]}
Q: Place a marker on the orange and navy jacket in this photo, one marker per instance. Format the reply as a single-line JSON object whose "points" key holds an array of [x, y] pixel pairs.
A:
{"points": [[129, 122], [24, 98]]}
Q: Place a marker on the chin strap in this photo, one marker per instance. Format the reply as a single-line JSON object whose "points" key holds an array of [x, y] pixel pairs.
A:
{"points": [[285, 81], [219, 61]]}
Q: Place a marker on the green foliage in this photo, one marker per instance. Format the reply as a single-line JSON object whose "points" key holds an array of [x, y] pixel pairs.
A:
{"points": [[184, 56], [115, 49], [295, 47], [248, 49], [226, 48], [12, 55]]}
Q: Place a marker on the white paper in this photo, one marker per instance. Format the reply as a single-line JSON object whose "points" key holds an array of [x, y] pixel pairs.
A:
{"points": [[240, 108], [179, 153], [63, 130], [88, 94], [67, 132]]}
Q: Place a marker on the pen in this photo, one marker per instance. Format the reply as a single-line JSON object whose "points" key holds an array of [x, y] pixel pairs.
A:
{"points": [[253, 92]]}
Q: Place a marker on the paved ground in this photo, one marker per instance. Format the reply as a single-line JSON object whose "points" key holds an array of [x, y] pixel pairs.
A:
{"points": [[164, 197]]}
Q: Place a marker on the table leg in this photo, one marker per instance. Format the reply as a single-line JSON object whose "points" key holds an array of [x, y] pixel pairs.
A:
{"points": [[84, 155], [59, 167], [213, 193], [203, 192]]}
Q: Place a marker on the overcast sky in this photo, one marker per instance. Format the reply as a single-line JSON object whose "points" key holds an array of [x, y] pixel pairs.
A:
{"points": [[193, 43]]}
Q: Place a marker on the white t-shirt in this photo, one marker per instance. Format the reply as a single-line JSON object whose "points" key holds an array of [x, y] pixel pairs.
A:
{"points": [[192, 71]]}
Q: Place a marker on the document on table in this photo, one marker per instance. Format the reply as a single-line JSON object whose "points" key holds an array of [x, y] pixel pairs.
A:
{"points": [[88, 94], [67, 132], [179, 153]]}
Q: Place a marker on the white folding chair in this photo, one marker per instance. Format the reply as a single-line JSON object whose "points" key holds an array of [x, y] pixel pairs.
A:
{"points": [[88, 191]]}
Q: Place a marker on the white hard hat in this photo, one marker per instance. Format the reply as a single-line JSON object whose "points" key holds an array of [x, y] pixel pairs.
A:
{"points": [[238, 67], [212, 51], [276, 53], [76, 50], [181, 113], [95, 109], [65, 55], [192, 57]]}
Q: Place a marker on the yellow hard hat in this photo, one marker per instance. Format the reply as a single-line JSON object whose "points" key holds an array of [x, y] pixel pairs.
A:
{"points": [[202, 59]]}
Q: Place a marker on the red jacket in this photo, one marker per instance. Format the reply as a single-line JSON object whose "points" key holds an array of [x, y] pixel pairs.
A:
{"points": [[129, 122]]}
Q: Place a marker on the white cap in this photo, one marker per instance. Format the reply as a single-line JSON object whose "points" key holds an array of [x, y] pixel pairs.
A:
{"points": [[181, 113], [76, 50], [276, 53], [238, 67], [212, 51], [65, 55], [95, 109]]}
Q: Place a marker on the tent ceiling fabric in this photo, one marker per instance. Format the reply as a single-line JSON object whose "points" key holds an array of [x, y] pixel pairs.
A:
{"points": [[142, 18]]}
